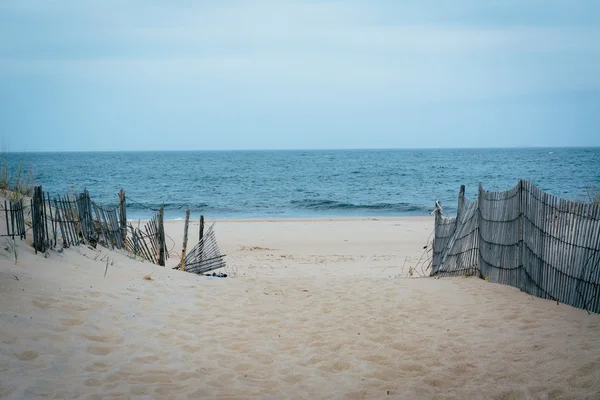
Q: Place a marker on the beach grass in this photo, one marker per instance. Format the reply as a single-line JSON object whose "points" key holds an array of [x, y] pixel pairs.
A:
{"points": [[18, 181]]}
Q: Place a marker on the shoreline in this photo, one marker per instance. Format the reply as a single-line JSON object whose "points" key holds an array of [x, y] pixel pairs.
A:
{"points": [[302, 219]]}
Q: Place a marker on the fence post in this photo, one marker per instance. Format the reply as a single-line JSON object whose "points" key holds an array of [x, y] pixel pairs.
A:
{"points": [[123, 214], [44, 214], [59, 220], [436, 224], [482, 274], [37, 220], [89, 215], [83, 217], [23, 231], [6, 213], [53, 221], [185, 238], [201, 228], [201, 235], [522, 206], [33, 223], [461, 201], [161, 236], [12, 220]]}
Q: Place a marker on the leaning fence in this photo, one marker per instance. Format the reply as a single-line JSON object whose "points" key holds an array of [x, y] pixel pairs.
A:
{"points": [[206, 255], [149, 242], [70, 220], [74, 219], [524, 237]]}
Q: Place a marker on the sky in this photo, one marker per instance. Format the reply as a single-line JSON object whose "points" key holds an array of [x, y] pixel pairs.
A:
{"points": [[206, 75]]}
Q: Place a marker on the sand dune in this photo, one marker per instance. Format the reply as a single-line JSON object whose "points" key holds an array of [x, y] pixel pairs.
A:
{"points": [[316, 309]]}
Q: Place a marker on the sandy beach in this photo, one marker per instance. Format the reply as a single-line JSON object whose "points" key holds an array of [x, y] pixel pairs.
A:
{"points": [[313, 309]]}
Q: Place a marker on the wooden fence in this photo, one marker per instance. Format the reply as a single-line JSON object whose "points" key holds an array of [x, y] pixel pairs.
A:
{"points": [[66, 216], [149, 242], [39, 221], [455, 246], [523, 237], [83, 203], [73, 220], [110, 229], [206, 255], [15, 219]]}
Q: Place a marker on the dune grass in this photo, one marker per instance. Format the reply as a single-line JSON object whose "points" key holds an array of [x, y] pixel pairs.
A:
{"points": [[15, 182]]}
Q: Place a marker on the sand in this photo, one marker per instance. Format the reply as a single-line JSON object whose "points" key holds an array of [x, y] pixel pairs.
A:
{"points": [[314, 309]]}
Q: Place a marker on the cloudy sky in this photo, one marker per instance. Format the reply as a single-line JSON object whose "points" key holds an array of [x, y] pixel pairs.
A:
{"points": [[168, 75]]}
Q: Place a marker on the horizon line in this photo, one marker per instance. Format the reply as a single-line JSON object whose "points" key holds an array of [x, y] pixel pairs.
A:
{"points": [[304, 149]]}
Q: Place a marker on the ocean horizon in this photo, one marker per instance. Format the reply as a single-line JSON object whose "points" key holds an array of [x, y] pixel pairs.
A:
{"points": [[13, 152], [320, 183]]}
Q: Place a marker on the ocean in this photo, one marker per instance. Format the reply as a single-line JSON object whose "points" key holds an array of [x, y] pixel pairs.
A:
{"points": [[311, 183]]}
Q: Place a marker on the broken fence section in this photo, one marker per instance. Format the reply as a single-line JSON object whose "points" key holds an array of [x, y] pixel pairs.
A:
{"points": [[206, 255], [149, 242], [108, 226], [72, 220]]}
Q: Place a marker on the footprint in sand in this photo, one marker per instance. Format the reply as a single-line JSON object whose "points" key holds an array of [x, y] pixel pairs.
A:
{"points": [[8, 339], [338, 366], [92, 382], [71, 322], [243, 367], [377, 359], [103, 339], [140, 390], [71, 308], [27, 355], [145, 360], [100, 351], [293, 379], [44, 305], [185, 376], [97, 367]]}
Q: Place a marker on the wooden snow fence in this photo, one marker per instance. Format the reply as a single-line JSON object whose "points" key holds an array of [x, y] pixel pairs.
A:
{"points": [[15, 219], [524, 237], [206, 255], [74, 220], [455, 245], [149, 242]]}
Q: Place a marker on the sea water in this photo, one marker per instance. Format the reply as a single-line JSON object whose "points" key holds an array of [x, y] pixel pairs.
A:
{"points": [[310, 183]]}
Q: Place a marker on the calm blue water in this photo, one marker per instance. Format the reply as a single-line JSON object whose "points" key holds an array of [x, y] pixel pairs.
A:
{"points": [[237, 184]]}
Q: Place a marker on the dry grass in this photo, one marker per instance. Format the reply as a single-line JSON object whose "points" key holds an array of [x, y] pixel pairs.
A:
{"points": [[19, 182], [148, 277]]}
